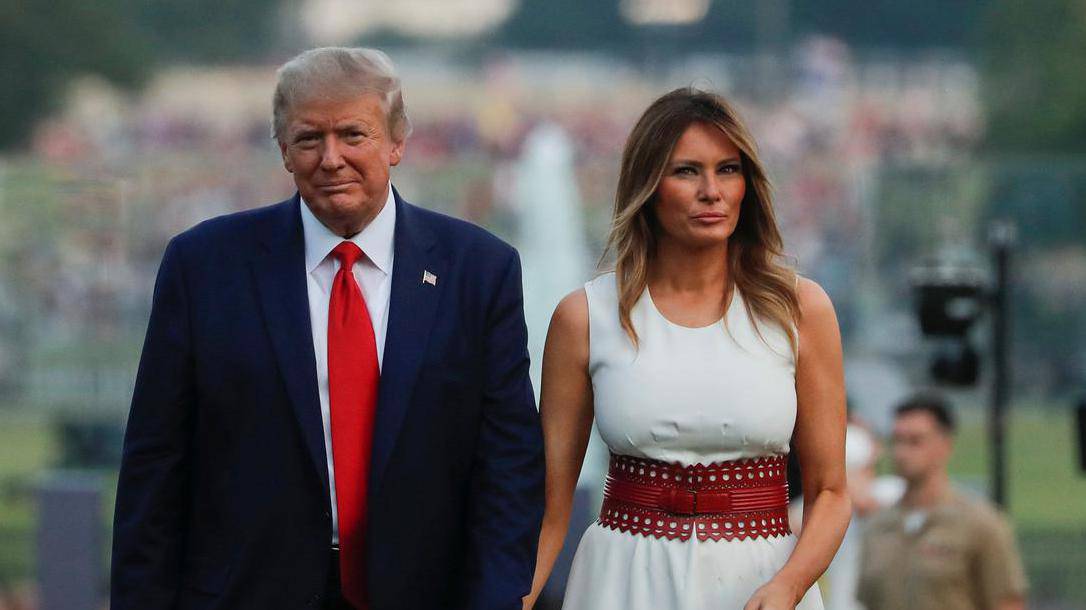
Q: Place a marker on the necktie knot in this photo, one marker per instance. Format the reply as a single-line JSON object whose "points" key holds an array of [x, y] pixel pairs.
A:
{"points": [[348, 254]]}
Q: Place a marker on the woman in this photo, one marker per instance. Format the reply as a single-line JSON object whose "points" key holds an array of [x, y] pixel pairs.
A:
{"points": [[700, 357]]}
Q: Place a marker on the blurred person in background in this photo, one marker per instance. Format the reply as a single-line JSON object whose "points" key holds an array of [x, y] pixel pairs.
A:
{"points": [[869, 493], [333, 407], [698, 357], [937, 548]]}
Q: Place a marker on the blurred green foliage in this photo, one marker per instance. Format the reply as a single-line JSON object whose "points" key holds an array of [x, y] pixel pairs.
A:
{"points": [[735, 25], [209, 31], [1032, 58], [44, 44], [890, 24], [564, 24]]}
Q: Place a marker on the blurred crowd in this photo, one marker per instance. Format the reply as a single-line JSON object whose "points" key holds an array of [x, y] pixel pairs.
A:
{"points": [[197, 143], [826, 114]]}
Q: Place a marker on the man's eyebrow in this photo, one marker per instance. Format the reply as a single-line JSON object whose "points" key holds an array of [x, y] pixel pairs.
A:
{"points": [[305, 130], [352, 120]]}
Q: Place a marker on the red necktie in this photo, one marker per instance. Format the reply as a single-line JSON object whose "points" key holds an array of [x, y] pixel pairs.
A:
{"points": [[353, 375]]}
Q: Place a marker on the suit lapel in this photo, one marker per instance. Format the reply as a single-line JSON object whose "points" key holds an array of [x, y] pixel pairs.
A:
{"points": [[412, 310], [279, 270]]}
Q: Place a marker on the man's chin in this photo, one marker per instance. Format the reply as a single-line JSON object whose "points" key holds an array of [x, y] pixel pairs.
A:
{"points": [[345, 202], [337, 205]]}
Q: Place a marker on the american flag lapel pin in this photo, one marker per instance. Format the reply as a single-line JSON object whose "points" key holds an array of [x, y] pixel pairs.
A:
{"points": [[429, 278]]}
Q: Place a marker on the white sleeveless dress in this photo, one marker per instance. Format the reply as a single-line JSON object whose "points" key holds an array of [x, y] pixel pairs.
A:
{"points": [[687, 395]]}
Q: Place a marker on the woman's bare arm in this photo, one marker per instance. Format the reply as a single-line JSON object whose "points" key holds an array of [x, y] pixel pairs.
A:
{"points": [[566, 411], [819, 443]]}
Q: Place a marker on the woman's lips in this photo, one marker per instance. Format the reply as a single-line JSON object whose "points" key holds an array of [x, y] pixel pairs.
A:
{"points": [[710, 218]]}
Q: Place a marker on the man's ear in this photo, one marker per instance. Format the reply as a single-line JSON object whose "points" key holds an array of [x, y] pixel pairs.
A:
{"points": [[396, 154]]}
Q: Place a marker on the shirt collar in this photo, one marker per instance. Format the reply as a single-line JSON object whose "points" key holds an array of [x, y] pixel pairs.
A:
{"points": [[375, 240], [946, 501]]}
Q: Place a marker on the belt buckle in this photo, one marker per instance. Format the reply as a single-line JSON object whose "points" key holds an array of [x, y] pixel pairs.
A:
{"points": [[680, 501]]}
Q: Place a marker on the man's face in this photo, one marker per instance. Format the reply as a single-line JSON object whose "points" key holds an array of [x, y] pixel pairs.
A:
{"points": [[340, 152], [921, 447]]}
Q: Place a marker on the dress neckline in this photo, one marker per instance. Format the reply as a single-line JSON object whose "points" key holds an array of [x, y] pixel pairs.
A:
{"points": [[717, 322]]}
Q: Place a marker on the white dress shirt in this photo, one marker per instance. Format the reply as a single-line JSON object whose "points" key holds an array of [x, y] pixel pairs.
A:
{"points": [[373, 273]]}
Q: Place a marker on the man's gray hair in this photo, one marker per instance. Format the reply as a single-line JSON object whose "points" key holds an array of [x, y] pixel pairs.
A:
{"points": [[340, 73]]}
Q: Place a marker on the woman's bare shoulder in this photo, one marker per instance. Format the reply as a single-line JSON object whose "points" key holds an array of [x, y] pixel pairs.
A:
{"points": [[813, 300], [570, 317]]}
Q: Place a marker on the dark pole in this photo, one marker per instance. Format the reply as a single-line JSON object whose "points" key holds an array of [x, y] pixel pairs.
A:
{"points": [[1001, 240]]}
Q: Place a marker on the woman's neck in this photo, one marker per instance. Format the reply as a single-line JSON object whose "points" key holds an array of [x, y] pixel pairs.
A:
{"points": [[675, 268]]}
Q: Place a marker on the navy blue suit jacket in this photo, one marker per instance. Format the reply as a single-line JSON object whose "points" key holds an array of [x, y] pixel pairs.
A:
{"points": [[223, 495]]}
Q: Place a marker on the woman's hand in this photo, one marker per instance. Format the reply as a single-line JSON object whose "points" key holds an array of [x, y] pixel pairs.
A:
{"points": [[774, 595]]}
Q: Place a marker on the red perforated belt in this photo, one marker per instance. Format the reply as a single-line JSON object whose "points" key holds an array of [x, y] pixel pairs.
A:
{"points": [[722, 501]]}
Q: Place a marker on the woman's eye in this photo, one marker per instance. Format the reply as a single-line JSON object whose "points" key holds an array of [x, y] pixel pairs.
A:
{"points": [[732, 168], [687, 170]]}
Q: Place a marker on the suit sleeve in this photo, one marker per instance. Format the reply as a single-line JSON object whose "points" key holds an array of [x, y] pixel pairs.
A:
{"points": [[148, 531], [506, 501]]}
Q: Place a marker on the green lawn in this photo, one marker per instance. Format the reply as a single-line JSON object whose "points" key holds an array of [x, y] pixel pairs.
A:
{"points": [[1046, 489], [26, 447], [1047, 497]]}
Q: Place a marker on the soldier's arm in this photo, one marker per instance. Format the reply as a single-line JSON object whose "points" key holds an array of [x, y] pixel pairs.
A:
{"points": [[1001, 577]]}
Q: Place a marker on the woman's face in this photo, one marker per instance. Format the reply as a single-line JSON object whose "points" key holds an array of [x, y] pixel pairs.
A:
{"points": [[699, 196]]}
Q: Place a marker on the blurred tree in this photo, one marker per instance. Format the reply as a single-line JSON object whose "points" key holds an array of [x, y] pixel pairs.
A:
{"points": [[1031, 59], [737, 26], [891, 24], [731, 25], [43, 44], [565, 24], [210, 30], [1033, 55]]}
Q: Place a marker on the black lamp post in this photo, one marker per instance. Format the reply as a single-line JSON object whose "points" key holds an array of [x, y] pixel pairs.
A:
{"points": [[950, 297]]}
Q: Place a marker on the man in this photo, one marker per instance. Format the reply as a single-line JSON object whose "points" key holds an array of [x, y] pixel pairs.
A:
{"points": [[937, 548], [333, 407]]}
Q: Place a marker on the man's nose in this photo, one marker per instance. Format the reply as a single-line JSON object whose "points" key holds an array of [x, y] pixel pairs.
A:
{"points": [[331, 156]]}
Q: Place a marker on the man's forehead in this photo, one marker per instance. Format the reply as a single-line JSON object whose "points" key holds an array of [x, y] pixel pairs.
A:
{"points": [[366, 109], [915, 422]]}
